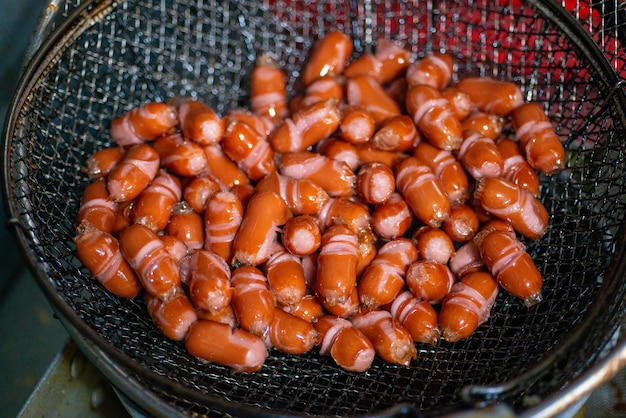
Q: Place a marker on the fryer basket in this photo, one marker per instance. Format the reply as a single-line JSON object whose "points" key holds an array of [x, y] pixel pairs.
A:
{"points": [[100, 58]]}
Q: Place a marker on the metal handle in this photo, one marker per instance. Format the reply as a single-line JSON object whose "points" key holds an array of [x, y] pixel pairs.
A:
{"points": [[43, 27]]}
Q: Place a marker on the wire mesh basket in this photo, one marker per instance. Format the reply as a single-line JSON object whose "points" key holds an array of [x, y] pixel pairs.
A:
{"points": [[100, 58]]}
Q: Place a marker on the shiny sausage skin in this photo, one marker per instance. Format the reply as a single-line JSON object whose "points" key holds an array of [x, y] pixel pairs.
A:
{"points": [[516, 167], [491, 95], [99, 251], [432, 114], [328, 56], [448, 170], [511, 265], [175, 247], [225, 315], [133, 174], [324, 89], [541, 145], [208, 278], [397, 134], [268, 90], [306, 127], [153, 207], [290, 334], [462, 224], [506, 201], [335, 177], [337, 264], [467, 306], [100, 163], [308, 308], [285, 277], [155, 267], [249, 149], [222, 218], [122, 216], [143, 123], [419, 317], [375, 183], [352, 213], [387, 63], [173, 316], [433, 244], [219, 343], [356, 125], [480, 155], [366, 92], [187, 226], [257, 235], [302, 196], [200, 123], [434, 70], [338, 149], [96, 207], [466, 259], [422, 191], [302, 235], [198, 191], [349, 348], [252, 300], [393, 218], [367, 153], [263, 125], [391, 340], [181, 156], [383, 278], [460, 102], [222, 169], [429, 280], [488, 124]]}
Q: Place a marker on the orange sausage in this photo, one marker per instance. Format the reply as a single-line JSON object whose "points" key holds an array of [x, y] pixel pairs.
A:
{"points": [[328, 56], [488, 124], [422, 191], [433, 244], [534, 131], [290, 334], [349, 348], [252, 300], [257, 235], [335, 177], [352, 213], [504, 200], [143, 123], [173, 316], [462, 224], [391, 340], [356, 125], [187, 226], [100, 252], [491, 95], [383, 279], [268, 89], [337, 264], [432, 114], [308, 308], [198, 191], [181, 156], [175, 247], [249, 149], [387, 63], [467, 306], [200, 123], [429, 280], [397, 134], [154, 205], [219, 343], [375, 183], [337, 149], [306, 127], [434, 69], [511, 265], [133, 174], [328, 88], [393, 218], [364, 91], [96, 207], [122, 216], [480, 156], [302, 235], [367, 153], [222, 218], [155, 267], [208, 278], [225, 315], [448, 170], [263, 125], [419, 317], [302, 196], [460, 102], [516, 167], [222, 169], [100, 163], [285, 276]]}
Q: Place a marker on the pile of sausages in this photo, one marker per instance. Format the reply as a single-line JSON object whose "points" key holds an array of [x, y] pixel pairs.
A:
{"points": [[380, 207]]}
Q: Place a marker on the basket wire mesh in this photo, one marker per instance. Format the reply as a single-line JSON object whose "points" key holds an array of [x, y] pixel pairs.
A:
{"points": [[104, 57]]}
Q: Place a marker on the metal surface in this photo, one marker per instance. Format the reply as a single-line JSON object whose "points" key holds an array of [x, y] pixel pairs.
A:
{"points": [[104, 57]]}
